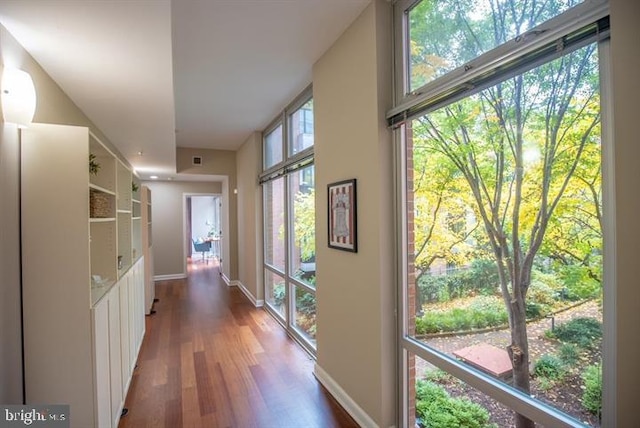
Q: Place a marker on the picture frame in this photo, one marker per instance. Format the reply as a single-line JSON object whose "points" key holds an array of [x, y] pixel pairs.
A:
{"points": [[342, 215]]}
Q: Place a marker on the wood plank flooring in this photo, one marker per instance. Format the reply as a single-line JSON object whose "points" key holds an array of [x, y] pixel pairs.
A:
{"points": [[211, 359]]}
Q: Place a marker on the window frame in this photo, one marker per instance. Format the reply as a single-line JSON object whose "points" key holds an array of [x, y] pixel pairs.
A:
{"points": [[445, 90], [278, 122], [291, 164], [472, 76]]}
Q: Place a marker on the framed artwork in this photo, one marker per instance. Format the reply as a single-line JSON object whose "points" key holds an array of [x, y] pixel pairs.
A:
{"points": [[342, 215]]}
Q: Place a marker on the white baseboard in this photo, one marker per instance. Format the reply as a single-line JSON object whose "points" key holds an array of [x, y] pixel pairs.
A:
{"points": [[226, 279], [173, 276], [252, 299], [356, 412]]}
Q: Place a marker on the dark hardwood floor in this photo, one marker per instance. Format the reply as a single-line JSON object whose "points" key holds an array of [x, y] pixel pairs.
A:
{"points": [[211, 359]]}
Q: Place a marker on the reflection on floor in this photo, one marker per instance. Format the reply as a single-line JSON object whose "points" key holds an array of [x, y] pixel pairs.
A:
{"points": [[211, 359]]}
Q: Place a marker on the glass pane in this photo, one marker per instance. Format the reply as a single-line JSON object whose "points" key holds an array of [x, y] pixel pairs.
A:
{"points": [[505, 234], [444, 35], [301, 124], [437, 399], [274, 290], [274, 223], [273, 148], [302, 201], [305, 310]]}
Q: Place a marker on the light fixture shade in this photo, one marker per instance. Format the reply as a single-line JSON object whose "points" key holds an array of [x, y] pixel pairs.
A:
{"points": [[18, 97]]}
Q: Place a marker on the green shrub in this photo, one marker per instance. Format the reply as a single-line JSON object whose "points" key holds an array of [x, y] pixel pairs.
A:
{"points": [[305, 303], [438, 376], [421, 325], [543, 291], [549, 367], [569, 354], [484, 274], [278, 294], [481, 277], [592, 396], [533, 310], [488, 312], [584, 332], [580, 285], [482, 312], [435, 408], [546, 281]]}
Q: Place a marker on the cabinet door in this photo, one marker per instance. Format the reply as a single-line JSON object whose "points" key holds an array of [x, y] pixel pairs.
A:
{"points": [[139, 308], [115, 358], [125, 326], [132, 317], [101, 358], [149, 284]]}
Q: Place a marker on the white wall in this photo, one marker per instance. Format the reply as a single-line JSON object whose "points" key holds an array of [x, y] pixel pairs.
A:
{"points": [[203, 215]]}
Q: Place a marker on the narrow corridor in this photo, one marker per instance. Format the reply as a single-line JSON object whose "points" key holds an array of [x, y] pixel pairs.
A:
{"points": [[210, 359]]}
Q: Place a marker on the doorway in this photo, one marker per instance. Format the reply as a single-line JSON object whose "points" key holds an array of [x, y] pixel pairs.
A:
{"points": [[204, 229]]}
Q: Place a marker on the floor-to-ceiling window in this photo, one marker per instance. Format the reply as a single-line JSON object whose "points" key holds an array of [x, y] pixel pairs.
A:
{"points": [[289, 220], [500, 143]]}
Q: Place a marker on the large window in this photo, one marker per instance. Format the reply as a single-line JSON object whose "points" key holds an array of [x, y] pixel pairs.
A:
{"points": [[502, 254], [289, 221]]}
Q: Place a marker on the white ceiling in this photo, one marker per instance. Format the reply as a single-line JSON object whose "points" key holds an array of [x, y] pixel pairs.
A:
{"points": [[156, 74]]}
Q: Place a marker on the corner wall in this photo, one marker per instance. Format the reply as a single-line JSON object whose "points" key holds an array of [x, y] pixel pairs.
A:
{"points": [[248, 163], [356, 291]]}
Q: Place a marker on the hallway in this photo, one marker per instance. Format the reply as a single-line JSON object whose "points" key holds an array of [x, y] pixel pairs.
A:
{"points": [[210, 359]]}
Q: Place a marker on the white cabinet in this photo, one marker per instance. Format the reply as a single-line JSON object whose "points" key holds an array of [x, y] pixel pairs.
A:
{"points": [[118, 336], [75, 312], [132, 325], [101, 357]]}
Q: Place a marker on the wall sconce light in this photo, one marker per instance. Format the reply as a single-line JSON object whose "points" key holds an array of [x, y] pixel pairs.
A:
{"points": [[18, 97]]}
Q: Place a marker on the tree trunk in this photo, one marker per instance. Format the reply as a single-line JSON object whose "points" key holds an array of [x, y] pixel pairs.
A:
{"points": [[519, 355]]}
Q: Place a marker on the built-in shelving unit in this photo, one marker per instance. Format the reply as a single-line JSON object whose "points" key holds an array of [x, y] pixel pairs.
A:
{"points": [[125, 237], [146, 242], [136, 219], [83, 273]]}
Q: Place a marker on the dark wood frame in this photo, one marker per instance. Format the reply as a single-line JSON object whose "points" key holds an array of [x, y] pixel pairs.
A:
{"points": [[343, 218]]}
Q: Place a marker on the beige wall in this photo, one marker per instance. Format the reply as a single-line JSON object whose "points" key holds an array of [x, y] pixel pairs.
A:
{"points": [[214, 162], [220, 163], [169, 238], [625, 63], [10, 342], [249, 161], [53, 106], [355, 324]]}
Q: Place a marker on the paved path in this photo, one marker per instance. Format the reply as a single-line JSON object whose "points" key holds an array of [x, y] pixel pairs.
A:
{"points": [[538, 345]]}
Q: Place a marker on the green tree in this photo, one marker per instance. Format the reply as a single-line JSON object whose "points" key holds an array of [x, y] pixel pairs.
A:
{"points": [[304, 223], [444, 218], [519, 145]]}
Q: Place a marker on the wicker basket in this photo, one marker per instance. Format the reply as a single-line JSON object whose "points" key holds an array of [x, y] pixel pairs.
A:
{"points": [[99, 204]]}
